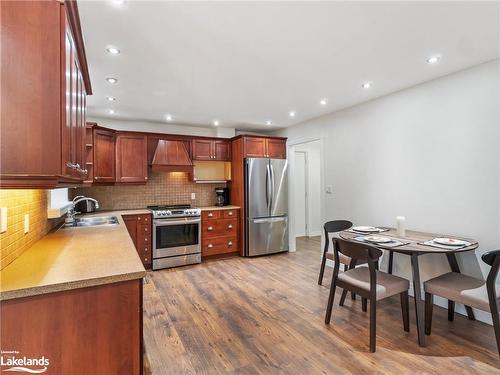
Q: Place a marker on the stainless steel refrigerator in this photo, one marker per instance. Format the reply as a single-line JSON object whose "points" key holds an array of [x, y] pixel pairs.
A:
{"points": [[266, 206]]}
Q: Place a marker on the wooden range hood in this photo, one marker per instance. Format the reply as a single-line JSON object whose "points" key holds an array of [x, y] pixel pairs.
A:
{"points": [[171, 156]]}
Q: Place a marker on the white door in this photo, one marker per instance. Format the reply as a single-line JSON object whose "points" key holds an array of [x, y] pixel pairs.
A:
{"points": [[300, 204]]}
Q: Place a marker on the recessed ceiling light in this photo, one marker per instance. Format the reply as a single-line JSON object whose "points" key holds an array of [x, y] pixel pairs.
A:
{"points": [[433, 59], [269, 122], [113, 51], [168, 117], [111, 111], [111, 80], [216, 123], [118, 2], [323, 101], [110, 98], [291, 113], [367, 85]]}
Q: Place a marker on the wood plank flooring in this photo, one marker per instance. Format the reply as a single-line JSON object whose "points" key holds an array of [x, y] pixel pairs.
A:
{"points": [[266, 316]]}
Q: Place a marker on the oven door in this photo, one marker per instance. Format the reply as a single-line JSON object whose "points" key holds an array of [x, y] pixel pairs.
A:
{"points": [[172, 237]]}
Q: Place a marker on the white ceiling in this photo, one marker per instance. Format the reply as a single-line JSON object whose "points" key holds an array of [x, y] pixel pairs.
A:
{"points": [[244, 63]]}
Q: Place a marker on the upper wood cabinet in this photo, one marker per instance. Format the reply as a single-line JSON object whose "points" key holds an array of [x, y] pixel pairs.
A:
{"points": [[210, 149], [264, 147], [131, 158], [44, 86], [104, 155]]}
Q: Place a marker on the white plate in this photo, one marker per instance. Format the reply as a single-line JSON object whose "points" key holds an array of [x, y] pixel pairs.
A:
{"points": [[449, 241], [377, 239], [366, 229]]}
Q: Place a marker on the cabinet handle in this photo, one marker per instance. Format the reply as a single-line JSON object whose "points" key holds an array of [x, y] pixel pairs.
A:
{"points": [[210, 246], [210, 214], [230, 243], [210, 228], [230, 226]]}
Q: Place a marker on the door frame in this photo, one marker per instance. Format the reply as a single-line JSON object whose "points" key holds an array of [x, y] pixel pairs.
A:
{"points": [[306, 191], [291, 146]]}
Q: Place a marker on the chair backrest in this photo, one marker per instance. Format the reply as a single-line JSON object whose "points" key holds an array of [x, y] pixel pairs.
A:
{"points": [[358, 250], [492, 258], [336, 226]]}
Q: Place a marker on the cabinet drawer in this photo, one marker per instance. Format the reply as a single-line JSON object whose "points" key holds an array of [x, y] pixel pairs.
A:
{"points": [[144, 219], [211, 215], [143, 229], [229, 214], [224, 227], [220, 245]]}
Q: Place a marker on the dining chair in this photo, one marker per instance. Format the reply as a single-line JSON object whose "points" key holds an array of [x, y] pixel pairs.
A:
{"points": [[457, 287], [330, 227], [368, 282]]}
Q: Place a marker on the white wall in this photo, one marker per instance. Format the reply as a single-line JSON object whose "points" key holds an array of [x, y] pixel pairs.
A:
{"points": [[430, 153], [160, 127], [312, 149]]}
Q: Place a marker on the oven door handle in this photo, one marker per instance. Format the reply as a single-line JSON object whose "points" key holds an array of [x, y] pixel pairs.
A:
{"points": [[164, 223]]}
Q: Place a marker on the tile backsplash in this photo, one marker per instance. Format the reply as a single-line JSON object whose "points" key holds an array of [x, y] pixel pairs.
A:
{"points": [[14, 241], [161, 188]]}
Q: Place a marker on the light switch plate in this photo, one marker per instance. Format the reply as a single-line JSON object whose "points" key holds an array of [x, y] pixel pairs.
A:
{"points": [[26, 223], [3, 219], [193, 196]]}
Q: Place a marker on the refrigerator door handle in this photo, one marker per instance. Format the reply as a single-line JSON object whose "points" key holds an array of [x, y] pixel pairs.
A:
{"points": [[270, 220], [268, 189], [271, 170]]}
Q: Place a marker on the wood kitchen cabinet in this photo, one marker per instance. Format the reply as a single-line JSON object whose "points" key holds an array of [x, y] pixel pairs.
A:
{"points": [[219, 232], [104, 155], [210, 149], [264, 147], [139, 227], [45, 82], [131, 158]]}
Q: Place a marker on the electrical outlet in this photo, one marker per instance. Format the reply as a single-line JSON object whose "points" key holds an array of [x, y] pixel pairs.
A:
{"points": [[26, 223], [329, 189], [193, 196], [3, 219]]}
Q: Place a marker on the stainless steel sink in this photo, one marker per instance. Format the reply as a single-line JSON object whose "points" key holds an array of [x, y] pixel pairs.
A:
{"points": [[94, 221]]}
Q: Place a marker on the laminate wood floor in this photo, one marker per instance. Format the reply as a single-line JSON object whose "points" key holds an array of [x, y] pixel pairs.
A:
{"points": [[266, 316]]}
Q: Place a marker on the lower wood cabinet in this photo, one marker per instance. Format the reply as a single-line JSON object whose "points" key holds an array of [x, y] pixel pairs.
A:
{"points": [[94, 330], [139, 227], [219, 232]]}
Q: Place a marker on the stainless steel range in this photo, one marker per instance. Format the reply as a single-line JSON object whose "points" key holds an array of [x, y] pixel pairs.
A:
{"points": [[176, 236]]}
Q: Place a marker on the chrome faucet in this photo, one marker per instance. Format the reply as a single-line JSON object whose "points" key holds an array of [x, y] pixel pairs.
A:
{"points": [[70, 216]]}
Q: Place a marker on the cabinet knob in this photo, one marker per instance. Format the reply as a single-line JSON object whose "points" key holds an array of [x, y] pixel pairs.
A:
{"points": [[96, 178], [146, 239], [230, 226], [146, 177], [230, 243], [210, 214], [210, 246], [145, 229], [230, 213], [210, 228], [146, 249], [139, 218]]}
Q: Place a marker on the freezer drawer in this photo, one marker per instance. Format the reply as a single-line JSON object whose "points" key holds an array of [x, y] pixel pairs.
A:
{"points": [[267, 235]]}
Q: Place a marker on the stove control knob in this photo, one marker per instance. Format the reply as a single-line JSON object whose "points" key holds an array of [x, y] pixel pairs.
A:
{"points": [[168, 213]]}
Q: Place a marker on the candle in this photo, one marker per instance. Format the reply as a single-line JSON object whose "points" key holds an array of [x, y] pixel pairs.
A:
{"points": [[400, 225]]}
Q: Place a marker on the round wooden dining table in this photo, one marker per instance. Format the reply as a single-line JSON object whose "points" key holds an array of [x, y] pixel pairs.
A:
{"points": [[413, 246]]}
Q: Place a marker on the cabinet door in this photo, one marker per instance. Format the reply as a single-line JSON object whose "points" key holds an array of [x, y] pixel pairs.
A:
{"points": [[131, 158], [104, 155], [202, 149], [222, 150], [255, 147], [276, 148]]}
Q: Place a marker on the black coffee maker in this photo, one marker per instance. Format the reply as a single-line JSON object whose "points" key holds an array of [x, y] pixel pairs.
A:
{"points": [[222, 196]]}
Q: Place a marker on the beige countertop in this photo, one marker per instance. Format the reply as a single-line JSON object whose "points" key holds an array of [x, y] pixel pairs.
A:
{"points": [[72, 258], [211, 208]]}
